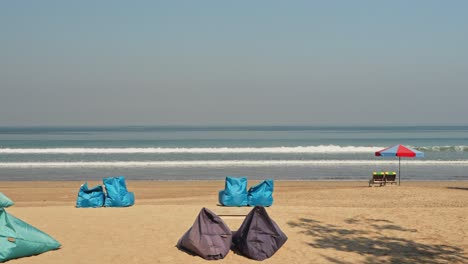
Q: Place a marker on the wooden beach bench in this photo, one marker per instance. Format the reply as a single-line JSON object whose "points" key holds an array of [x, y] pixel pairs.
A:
{"points": [[378, 177], [390, 177], [232, 212]]}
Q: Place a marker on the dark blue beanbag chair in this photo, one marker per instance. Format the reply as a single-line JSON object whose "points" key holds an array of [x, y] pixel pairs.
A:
{"points": [[93, 197], [261, 194], [234, 193], [117, 194]]}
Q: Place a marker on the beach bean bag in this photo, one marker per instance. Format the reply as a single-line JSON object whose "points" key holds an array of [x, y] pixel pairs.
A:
{"points": [[261, 194], [209, 237], [117, 194], [93, 197], [5, 201], [259, 237], [19, 239], [234, 193]]}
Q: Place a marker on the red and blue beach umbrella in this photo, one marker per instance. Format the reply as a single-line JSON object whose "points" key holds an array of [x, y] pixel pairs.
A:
{"points": [[399, 151]]}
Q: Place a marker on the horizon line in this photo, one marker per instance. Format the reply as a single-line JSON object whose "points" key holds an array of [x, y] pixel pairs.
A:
{"points": [[225, 125]]}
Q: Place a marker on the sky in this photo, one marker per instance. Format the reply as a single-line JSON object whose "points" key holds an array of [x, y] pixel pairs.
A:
{"points": [[216, 62]]}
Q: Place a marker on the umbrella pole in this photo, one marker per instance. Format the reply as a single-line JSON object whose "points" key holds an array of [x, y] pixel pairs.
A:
{"points": [[399, 166]]}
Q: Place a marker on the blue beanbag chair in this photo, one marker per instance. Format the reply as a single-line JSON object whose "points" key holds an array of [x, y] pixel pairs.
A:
{"points": [[5, 201], [117, 194], [93, 197], [20, 239], [234, 193], [261, 194]]}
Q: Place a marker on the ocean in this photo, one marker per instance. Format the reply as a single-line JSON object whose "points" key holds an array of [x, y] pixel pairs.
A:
{"points": [[213, 152]]}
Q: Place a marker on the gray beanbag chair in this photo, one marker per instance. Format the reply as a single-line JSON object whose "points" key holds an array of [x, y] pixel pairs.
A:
{"points": [[209, 237], [259, 237]]}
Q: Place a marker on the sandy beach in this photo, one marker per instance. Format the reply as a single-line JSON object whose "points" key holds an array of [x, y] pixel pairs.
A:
{"points": [[175, 96], [326, 222]]}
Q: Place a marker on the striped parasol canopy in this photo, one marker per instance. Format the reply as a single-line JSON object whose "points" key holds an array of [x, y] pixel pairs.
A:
{"points": [[399, 151]]}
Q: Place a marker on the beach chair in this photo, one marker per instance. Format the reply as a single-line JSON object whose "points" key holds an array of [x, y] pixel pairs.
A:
{"points": [[261, 194], [87, 197], [117, 194], [390, 177], [378, 177], [19, 239], [5, 201], [234, 193], [209, 237], [258, 237]]}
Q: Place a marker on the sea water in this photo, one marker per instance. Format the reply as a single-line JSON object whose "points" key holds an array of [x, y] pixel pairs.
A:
{"points": [[213, 152]]}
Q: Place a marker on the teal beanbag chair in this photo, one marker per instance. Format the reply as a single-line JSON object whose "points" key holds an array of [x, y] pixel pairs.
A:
{"points": [[261, 194], [93, 197], [117, 194], [5, 201], [234, 193], [19, 239]]}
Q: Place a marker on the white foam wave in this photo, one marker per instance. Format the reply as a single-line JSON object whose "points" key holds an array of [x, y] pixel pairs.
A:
{"points": [[298, 149], [222, 163], [461, 148]]}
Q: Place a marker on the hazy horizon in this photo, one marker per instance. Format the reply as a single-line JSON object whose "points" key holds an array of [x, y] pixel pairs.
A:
{"points": [[212, 63], [5, 128]]}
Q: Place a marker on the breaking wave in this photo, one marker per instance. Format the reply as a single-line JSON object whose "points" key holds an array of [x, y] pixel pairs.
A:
{"points": [[283, 150], [461, 148], [223, 163]]}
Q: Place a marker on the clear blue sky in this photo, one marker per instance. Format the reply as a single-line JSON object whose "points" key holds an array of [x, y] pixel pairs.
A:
{"points": [[233, 62]]}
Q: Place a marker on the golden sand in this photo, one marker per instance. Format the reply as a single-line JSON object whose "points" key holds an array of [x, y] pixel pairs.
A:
{"points": [[326, 222]]}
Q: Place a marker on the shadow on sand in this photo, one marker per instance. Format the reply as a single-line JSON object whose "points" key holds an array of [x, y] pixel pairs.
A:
{"points": [[372, 243], [458, 188]]}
